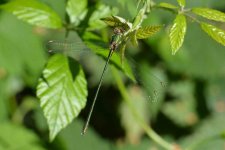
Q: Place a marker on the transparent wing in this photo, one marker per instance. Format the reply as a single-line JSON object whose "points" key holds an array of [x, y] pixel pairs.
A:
{"points": [[75, 46], [153, 84], [153, 80], [56, 46]]}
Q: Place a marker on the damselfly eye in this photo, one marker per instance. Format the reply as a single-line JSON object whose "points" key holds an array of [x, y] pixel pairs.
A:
{"points": [[118, 30]]}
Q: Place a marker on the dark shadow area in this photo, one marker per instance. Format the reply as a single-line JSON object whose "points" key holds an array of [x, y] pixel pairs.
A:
{"points": [[202, 109], [105, 118], [164, 126]]}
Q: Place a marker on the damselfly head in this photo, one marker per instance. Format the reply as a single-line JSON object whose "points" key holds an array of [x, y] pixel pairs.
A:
{"points": [[118, 30]]}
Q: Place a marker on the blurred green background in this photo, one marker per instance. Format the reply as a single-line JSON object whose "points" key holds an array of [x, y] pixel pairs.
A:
{"points": [[190, 111]]}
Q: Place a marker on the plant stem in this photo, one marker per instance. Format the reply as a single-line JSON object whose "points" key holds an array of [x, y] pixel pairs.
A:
{"points": [[149, 131]]}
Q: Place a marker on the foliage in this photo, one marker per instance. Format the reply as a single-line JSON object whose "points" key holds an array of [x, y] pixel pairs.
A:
{"points": [[183, 89], [24, 139], [62, 94]]}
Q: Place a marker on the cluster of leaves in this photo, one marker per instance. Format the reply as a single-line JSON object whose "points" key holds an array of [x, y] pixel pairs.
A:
{"points": [[62, 89], [179, 27], [61, 99]]}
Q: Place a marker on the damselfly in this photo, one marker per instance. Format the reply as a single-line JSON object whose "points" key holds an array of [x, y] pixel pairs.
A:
{"points": [[56, 46], [68, 48]]}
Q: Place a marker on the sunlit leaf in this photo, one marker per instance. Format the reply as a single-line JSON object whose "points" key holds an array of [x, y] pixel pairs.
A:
{"points": [[215, 33], [167, 5], [177, 33], [210, 14], [194, 62], [76, 10], [145, 32], [33, 12], [115, 21], [62, 94], [16, 137], [181, 3]]}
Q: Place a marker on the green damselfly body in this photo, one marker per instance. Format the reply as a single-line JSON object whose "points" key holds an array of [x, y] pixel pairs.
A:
{"points": [[68, 48], [114, 43]]}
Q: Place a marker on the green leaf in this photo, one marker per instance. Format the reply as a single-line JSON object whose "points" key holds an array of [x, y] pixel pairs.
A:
{"points": [[177, 33], [115, 21], [139, 18], [141, 1], [17, 54], [198, 53], [33, 12], [62, 94], [215, 33], [76, 10], [122, 49], [133, 38], [101, 12], [210, 14], [208, 134], [181, 3], [167, 5], [4, 102], [16, 137], [145, 32]]}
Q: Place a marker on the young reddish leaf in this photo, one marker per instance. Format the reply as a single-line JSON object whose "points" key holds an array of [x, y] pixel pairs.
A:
{"points": [[210, 14], [216, 33], [177, 33]]}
